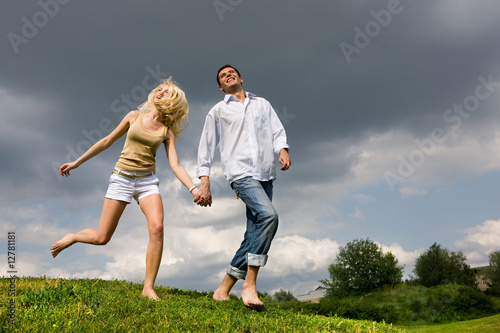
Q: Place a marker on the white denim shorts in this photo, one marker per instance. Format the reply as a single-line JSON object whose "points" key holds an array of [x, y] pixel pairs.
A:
{"points": [[125, 188]]}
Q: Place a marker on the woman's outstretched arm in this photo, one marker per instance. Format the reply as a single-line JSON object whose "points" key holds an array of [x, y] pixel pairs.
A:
{"points": [[100, 145], [176, 167]]}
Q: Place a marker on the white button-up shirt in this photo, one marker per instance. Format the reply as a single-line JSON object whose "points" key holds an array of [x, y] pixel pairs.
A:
{"points": [[248, 136]]}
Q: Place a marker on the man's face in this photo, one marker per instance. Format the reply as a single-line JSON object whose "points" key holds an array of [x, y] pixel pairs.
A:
{"points": [[229, 78]]}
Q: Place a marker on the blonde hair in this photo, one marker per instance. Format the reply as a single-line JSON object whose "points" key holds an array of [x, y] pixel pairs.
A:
{"points": [[173, 108]]}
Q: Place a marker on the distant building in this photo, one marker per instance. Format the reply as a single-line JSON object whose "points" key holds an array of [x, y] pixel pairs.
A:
{"points": [[313, 296], [482, 281]]}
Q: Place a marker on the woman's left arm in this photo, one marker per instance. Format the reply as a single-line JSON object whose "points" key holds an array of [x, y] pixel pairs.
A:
{"points": [[176, 166]]}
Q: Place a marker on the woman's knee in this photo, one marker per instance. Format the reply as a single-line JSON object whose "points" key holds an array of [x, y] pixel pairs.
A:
{"points": [[156, 230]]}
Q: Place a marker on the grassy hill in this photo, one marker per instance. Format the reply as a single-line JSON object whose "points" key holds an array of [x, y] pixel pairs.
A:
{"points": [[484, 325], [43, 305]]}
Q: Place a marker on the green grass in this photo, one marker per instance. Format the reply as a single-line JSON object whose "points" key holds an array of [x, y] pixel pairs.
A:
{"points": [[44, 305], [483, 325]]}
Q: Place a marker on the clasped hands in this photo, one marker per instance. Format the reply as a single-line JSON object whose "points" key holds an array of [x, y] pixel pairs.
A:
{"points": [[202, 196]]}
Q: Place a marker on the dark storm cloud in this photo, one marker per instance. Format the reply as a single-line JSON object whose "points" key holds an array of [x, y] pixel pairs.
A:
{"points": [[92, 61]]}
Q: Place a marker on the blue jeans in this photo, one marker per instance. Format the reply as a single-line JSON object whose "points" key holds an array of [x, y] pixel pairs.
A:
{"points": [[262, 224]]}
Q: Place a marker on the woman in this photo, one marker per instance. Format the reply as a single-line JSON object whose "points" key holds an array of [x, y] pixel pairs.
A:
{"points": [[158, 120]]}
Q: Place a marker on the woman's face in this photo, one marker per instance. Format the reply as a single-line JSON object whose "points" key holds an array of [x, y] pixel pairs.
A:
{"points": [[161, 92]]}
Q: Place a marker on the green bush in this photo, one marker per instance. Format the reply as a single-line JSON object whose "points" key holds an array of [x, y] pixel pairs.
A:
{"points": [[493, 291], [472, 299], [358, 309], [407, 304], [362, 267], [454, 302]]}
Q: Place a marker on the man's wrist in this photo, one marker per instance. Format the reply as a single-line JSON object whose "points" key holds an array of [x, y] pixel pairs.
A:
{"points": [[205, 181]]}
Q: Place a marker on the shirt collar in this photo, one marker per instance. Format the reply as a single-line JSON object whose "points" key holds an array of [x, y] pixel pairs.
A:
{"points": [[229, 97]]}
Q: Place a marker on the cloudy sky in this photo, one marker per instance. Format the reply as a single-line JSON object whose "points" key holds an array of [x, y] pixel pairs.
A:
{"points": [[391, 110]]}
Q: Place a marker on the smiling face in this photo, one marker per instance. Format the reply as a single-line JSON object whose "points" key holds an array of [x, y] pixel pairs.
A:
{"points": [[161, 92], [229, 80]]}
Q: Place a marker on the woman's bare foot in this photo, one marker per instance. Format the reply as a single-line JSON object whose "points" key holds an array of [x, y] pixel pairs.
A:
{"points": [[150, 293], [250, 297], [220, 295], [61, 244]]}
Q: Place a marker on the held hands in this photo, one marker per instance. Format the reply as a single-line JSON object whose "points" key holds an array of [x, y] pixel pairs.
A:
{"points": [[64, 169], [196, 194], [204, 197]]}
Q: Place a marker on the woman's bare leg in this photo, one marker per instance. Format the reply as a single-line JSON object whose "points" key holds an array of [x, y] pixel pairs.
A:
{"points": [[111, 212], [152, 208]]}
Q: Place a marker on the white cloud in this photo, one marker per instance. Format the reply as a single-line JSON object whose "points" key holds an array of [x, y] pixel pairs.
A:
{"points": [[31, 264], [400, 153], [307, 208], [404, 257], [300, 262], [480, 241], [398, 159]]}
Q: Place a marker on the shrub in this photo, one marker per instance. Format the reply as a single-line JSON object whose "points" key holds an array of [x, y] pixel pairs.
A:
{"points": [[440, 266], [361, 267]]}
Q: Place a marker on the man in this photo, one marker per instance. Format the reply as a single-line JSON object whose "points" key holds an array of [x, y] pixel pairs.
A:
{"points": [[248, 133]]}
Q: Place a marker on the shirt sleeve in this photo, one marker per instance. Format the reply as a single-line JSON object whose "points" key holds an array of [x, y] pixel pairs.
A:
{"points": [[208, 143], [279, 134]]}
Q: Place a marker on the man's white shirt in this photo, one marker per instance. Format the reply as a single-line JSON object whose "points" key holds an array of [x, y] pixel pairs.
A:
{"points": [[248, 136]]}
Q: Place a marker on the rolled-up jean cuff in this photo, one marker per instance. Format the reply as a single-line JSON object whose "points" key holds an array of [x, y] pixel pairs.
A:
{"points": [[235, 272], [256, 259]]}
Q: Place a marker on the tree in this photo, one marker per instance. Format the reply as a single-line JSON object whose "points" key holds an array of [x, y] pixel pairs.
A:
{"points": [[494, 273], [439, 266], [283, 296], [361, 267]]}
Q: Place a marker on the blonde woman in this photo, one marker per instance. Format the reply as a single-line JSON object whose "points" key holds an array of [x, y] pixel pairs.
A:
{"points": [[158, 120]]}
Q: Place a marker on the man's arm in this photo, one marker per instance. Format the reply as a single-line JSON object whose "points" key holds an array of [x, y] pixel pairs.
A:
{"points": [[280, 144]]}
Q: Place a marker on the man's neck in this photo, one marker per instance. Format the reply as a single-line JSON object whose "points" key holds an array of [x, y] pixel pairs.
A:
{"points": [[239, 94]]}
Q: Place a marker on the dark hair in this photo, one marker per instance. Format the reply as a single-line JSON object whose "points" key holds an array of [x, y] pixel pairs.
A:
{"points": [[226, 66]]}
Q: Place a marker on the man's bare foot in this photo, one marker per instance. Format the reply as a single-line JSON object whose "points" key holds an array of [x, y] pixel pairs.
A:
{"points": [[220, 295], [150, 293], [250, 297], [61, 244]]}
